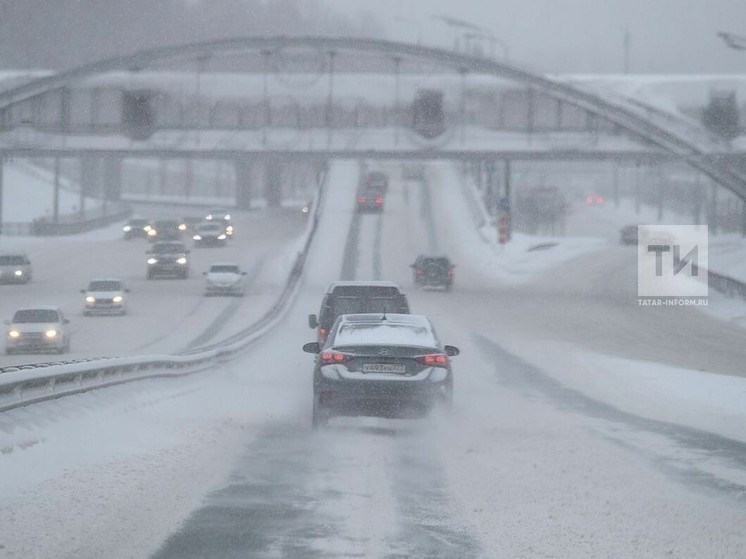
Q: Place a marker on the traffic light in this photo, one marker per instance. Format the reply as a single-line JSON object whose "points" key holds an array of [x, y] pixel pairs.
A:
{"points": [[138, 113]]}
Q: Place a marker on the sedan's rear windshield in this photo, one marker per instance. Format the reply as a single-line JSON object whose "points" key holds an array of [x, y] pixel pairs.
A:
{"points": [[36, 315], [224, 269], [384, 334], [12, 260], [105, 285]]}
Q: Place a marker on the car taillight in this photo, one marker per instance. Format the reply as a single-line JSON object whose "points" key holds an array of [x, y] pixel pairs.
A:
{"points": [[379, 200], [433, 359], [450, 271], [419, 272], [589, 199], [600, 200], [334, 358], [361, 199]]}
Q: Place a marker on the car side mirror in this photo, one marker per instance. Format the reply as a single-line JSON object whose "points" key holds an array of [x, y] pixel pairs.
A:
{"points": [[82, 290], [451, 350], [312, 347], [6, 321], [148, 252], [187, 251], [66, 321], [312, 322], [204, 273], [243, 273]]}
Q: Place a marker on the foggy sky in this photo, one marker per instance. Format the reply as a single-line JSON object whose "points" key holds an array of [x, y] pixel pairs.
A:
{"points": [[667, 36]]}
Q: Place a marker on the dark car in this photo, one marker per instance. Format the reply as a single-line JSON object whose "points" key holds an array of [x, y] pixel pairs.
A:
{"points": [[377, 180], [628, 235], [210, 234], [349, 297], [369, 200], [168, 259], [136, 228], [15, 267], [433, 271], [165, 230], [383, 365]]}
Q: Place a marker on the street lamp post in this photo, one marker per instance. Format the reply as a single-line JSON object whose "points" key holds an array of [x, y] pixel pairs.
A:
{"points": [[736, 42]]}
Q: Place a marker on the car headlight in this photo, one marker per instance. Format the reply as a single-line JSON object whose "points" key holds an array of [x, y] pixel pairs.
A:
{"points": [[147, 227], [51, 333], [181, 260], [221, 237], [127, 228], [209, 217], [18, 273], [227, 217], [152, 232], [14, 334], [152, 261], [197, 237], [182, 227], [439, 374], [90, 299], [118, 298]]}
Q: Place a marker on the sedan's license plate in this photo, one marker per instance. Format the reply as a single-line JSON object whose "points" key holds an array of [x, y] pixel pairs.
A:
{"points": [[384, 368]]}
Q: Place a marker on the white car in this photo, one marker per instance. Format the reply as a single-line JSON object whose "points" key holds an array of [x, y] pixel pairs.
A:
{"points": [[105, 296], [37, 329], [225, 279]]}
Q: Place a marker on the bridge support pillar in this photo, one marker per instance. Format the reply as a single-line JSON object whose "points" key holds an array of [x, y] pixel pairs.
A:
{"points": [[273, 182], [244, 183], [1, 195], [112, 180], [89, 174]]}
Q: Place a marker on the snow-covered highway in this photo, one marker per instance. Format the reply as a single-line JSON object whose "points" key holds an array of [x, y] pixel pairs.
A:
{"points": [[548, 453]]}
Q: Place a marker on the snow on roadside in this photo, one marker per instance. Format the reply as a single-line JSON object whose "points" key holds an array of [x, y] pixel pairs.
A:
{"points": [[701, 400], [518, 261]]}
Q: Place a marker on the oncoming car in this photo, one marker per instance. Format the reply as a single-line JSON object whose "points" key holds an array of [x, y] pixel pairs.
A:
{"points": [[136, 228], [383, 365], [37, 329], [168, 259], [15, 268], [225, 279], [210, 233], [105, 296]]}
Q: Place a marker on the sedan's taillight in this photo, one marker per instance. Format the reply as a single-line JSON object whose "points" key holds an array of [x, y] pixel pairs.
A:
{"points": [[433, 359], [334, 358], [361, 200], [379, 200]]}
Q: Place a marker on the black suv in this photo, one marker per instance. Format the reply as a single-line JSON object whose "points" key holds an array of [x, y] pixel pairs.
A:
{"points": [[348, 297], [168, 259], [433, 271]]}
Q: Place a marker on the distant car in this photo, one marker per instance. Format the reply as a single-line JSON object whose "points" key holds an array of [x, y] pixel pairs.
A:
{"points": [[433, 271], [594, 200], [37, 329], [164, 230], [189, 223], [377, 180], [105, 296], [628, 235], [15, 267], [306, 208], [225, 279], [168, 259], [383, 365], [369, 200], [347, 297], [210, 233], [218, 214], [136, 228]]}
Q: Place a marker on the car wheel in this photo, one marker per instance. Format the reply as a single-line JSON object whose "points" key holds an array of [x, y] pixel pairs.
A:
{"points": [[319, 416]]}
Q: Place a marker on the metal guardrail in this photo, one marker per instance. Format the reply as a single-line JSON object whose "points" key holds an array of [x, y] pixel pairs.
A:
{"points": [[728, 286], [23, 385]]}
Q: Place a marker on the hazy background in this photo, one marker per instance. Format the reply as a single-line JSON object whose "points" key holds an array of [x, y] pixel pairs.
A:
{"points": [[578, 36]]}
